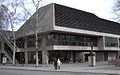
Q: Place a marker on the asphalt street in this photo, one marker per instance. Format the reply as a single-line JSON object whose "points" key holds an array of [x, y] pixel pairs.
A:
{"points": [[24, 72]]}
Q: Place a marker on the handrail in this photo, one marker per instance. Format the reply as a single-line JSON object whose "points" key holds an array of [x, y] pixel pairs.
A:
{"points": [[10, 44]]}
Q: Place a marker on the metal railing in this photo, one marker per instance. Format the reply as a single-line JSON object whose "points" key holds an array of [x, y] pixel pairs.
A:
{"points": [[9, 52]]}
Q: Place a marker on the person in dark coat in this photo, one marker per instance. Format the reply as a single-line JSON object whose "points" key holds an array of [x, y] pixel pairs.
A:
{"points": [[55, 64]]}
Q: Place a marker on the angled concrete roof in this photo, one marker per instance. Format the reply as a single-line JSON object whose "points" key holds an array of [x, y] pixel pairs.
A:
{"points": [[73, 18], [45, 22], [59, 15]]}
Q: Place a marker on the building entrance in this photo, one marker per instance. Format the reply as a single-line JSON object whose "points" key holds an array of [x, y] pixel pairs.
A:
{"points": [[86, 57], [20, 57]]}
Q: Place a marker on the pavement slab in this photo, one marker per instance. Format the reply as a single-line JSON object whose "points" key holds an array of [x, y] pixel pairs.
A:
{"points": [[101, 67]]}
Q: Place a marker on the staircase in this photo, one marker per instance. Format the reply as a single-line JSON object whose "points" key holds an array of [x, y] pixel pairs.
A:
{"points": [[9, 47]]}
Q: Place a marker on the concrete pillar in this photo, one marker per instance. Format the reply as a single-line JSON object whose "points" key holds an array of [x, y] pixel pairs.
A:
{"points": [[26, 53], [44, 51], [118, 47], [0, 58], [71, 57], [25, 45], [26, 57], [101, 43], [44, 57]]}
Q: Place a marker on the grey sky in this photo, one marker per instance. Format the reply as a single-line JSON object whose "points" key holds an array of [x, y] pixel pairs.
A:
{"points": [[102, 8]]}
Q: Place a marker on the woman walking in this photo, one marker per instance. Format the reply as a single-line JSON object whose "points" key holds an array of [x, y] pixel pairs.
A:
{"points": [[58, 63]]}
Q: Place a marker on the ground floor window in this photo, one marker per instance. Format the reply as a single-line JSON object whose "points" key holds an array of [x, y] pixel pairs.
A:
{"points": [[64, 56], [32, 57], [20, 57]]}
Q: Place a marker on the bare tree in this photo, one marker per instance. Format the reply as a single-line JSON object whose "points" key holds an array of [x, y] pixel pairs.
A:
{"points": [[116, 9], [3, 18], [36, 31], [15, 17], [36, 4]]}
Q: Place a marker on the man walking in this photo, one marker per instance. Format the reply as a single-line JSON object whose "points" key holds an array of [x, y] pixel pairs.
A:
{"points": [[55, 64]]}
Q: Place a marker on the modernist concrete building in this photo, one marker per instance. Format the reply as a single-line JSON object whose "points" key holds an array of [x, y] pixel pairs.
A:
{"points": [[65, 33]]}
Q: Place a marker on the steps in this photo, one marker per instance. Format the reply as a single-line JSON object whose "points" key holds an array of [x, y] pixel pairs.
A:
{"points": [[9, 47]]}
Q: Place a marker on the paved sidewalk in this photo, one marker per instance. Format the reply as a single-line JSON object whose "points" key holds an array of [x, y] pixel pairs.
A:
{"points": [[102, 67]]}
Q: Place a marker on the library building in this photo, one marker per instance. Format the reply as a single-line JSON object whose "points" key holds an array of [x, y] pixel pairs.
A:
{"points": [[65, 33]]}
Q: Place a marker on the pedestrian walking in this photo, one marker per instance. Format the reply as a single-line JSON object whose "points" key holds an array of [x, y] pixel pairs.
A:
{"points": [[22, 60], [58, 63], [55, 63]]}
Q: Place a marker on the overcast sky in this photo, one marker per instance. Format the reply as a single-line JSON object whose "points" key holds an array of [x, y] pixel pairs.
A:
{"points": [[102, 8]]}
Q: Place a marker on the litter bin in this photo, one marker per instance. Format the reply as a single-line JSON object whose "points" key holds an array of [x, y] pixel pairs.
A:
{"points": [[4, 60], [92, 60]]}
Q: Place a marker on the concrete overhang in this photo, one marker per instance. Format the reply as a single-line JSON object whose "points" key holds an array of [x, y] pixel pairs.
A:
{"points": [[87, 32]]}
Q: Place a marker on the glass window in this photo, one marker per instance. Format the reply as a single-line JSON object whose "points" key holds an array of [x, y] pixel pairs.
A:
{"points": [[31, 41], [111, 42], [20, 42], [69, 39]]}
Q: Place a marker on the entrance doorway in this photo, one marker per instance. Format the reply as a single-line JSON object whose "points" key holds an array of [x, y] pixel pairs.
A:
{"points": [[86, 57]]}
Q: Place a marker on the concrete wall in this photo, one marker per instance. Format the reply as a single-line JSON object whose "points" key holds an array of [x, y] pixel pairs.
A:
{"points": [[101, 43]]}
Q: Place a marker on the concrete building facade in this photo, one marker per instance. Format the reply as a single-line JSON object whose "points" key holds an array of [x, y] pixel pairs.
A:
{"points": [[68, 34]]}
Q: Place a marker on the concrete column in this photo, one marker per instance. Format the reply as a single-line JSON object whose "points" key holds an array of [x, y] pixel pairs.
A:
{"points": [[0, 58], [44, 51], [25, 45], [44, 57], [101, 43], [26, 57], [118, 42], [26, 53], [71, 57], [118, 47]]}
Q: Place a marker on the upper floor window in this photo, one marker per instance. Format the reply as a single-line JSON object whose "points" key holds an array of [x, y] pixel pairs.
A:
{"points": [[70, 39], [31, 41], [111, 42]]}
